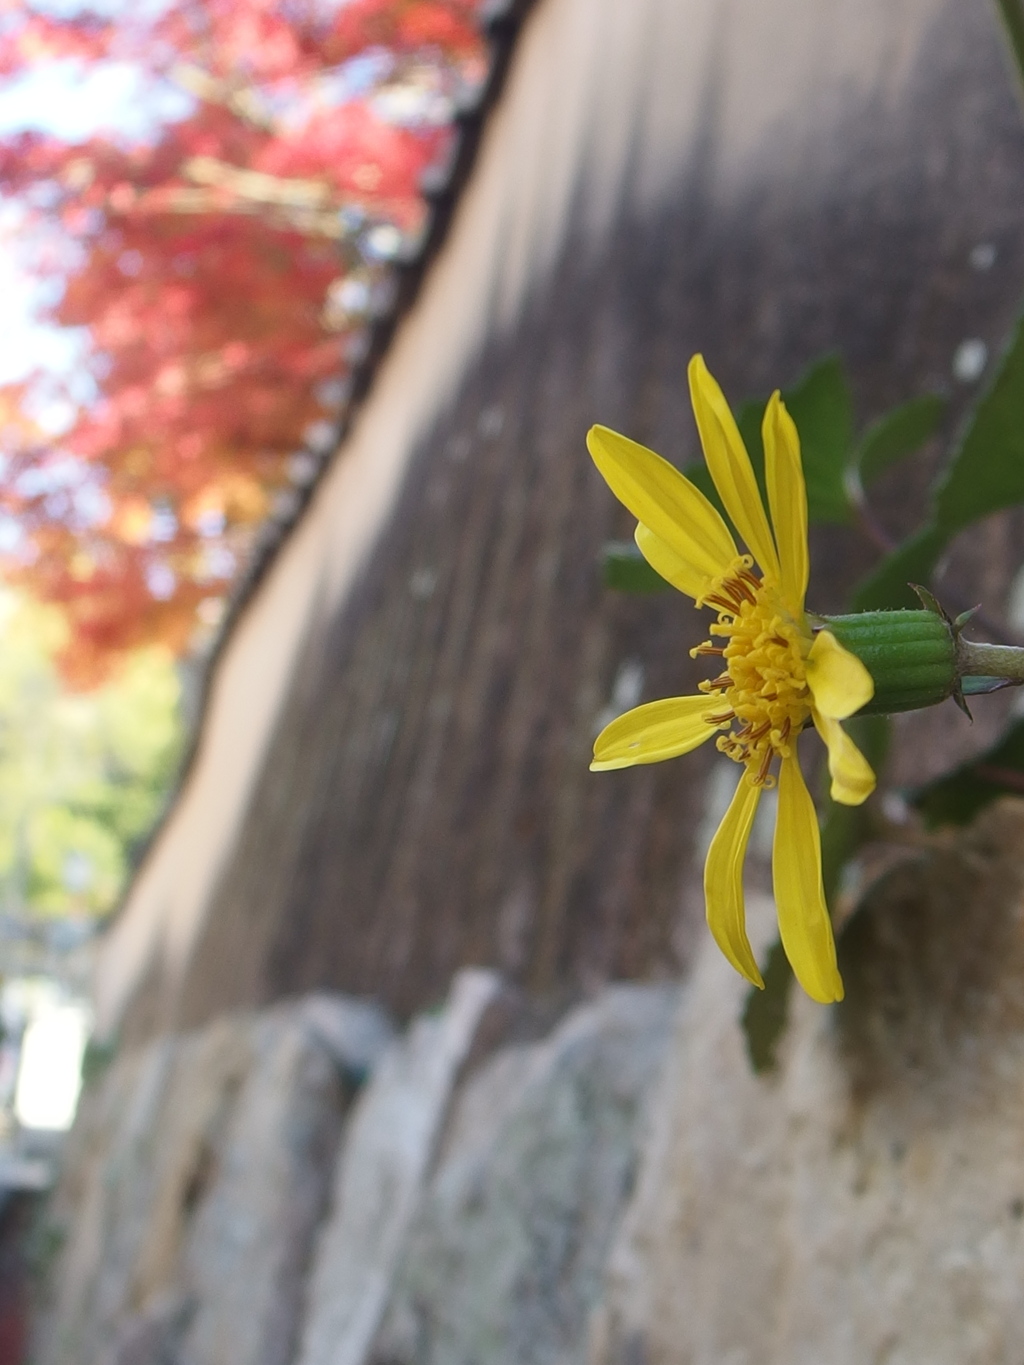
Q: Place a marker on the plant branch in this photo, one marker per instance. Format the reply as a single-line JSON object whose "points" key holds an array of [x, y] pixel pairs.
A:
{"points": [[864, 518], [990, 661]]}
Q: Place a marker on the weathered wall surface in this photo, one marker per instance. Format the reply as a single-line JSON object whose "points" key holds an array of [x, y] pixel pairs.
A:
{"points": [[465, 1214], [393, 783], [613, 1188], [865, 1203], [197, 1176], [393, 778]]}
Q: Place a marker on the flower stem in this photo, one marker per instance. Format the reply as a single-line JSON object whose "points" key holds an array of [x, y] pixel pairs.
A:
{"points": [[990, 661], [1013, 21]]}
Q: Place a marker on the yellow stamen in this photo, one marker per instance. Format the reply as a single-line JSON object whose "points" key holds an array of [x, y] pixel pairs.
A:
{"points": [[765, 681], [722, 718], [729, 605]]}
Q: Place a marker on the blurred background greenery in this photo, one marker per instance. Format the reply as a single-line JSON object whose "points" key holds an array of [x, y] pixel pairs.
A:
{"points": [[83, 775]]}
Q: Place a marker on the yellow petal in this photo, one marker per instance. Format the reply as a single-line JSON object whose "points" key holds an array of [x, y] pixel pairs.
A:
{"points": [[787, 498], [730, 466], [650, 733], [664, 560], [670, 505], [839, 682], [804, 924], [852, 778], [723, 881]]}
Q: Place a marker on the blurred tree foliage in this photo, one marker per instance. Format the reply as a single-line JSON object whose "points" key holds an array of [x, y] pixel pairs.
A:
{"points": [[82, 776], [225, 272]]}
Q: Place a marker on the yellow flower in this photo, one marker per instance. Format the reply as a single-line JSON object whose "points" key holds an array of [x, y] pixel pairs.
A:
{"points": [[778, 674]]}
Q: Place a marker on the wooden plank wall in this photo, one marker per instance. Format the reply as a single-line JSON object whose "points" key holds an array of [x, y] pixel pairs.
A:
{"points": [[393, 777]]}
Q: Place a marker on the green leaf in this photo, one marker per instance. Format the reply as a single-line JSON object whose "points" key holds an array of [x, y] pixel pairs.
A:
{"points": [[888, 585], [749, 416], [819, 403], [980, 685], [956, 798], [897, 434], [626, 570], [987, 472], [821, 408], [765, 1012], [748, 419], [699, 475], [845, 828], [1013, 19], [985, 475]]}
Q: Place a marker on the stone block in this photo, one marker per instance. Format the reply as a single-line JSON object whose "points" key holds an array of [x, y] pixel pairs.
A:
{"points": [[193, 1185], [504, 1261], [866, 1201], [388, 1148]]}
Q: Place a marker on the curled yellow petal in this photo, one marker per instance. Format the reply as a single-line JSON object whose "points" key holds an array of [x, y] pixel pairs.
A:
{"points": [[787, 498], [661, 498], [655, 731], [839, 682], [804, 924], [853, 780], [723, 881], [672, 567], [730, 466]]}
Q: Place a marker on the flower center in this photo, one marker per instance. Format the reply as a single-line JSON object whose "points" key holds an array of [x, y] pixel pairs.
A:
{"points": [[764, 693]]}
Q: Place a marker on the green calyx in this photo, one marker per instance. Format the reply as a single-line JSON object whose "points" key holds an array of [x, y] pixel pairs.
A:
{"points": [[919, 658], [911, 656]]}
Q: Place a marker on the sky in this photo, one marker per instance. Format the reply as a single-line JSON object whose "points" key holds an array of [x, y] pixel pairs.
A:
{"points": [[58, 98], [73, 102], [25, 344]]}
